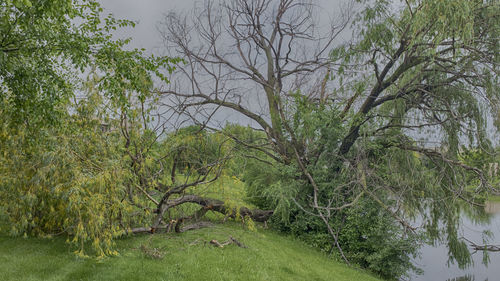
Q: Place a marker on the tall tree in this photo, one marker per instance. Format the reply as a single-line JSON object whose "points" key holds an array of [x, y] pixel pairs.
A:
{"points": [[417, 80], [274, 48]]}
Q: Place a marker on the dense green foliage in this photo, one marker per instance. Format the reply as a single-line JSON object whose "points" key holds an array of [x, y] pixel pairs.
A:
{"points": [[72, 183], [367, 233], [45, 44], [62, 161], [402, 136], [89, 181], [425, 75]]}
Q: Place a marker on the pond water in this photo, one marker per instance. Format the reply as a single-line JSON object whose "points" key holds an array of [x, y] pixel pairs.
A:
{"points": [[433, 260]]}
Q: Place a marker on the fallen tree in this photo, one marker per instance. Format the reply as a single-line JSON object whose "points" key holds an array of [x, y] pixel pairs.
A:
{"points": [[414, 85], [207, 204], [219, 206], [108, 160]]}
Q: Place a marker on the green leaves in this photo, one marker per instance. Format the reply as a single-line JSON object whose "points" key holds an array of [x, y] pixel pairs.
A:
{"points": [[47, 45], [70, 181], [60, 170], [19, 3]]}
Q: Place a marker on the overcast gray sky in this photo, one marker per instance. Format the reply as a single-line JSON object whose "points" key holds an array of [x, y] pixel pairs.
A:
{"points": [[149, 12]]}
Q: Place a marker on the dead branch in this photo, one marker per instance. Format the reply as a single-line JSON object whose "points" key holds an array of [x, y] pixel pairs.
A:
{"points": [[228, 242], [243, 53], [476, 247]]}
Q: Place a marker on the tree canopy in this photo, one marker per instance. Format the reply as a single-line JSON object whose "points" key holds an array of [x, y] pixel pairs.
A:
{"points": [[46, 44], [59, 173], [379, 117], [353, 138]]}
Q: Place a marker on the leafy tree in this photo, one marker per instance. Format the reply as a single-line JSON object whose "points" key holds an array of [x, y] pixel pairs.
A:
{"points": [[46, 44], [416, 81], [107, 172], [60, 172]]}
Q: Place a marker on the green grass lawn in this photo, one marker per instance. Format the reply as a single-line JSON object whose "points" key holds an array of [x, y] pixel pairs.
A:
{"points": [[186, 256]]}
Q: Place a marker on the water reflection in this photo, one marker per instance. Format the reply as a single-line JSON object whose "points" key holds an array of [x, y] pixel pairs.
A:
{"points": [[433, 260], [466, 277]]}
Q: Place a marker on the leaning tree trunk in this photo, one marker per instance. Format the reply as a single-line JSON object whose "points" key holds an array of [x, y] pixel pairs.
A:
{"points": [[207, 204]]}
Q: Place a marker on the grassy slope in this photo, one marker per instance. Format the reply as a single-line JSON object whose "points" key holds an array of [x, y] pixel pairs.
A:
{"points": [[187, 256]]}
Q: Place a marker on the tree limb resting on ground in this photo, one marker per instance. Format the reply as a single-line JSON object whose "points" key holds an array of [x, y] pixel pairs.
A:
{"points": [[207, 204], [219, 206]]}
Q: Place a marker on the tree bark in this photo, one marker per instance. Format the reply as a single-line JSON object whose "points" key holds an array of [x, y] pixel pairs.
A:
{"points": [[207, 204], [219, 206]]}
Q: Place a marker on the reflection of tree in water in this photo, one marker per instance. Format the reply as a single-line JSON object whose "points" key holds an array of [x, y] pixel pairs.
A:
{"points": [[477, 214], [467, 277]]}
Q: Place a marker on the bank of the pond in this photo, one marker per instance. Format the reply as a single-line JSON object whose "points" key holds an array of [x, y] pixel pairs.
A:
{"points": [[186, 256]]}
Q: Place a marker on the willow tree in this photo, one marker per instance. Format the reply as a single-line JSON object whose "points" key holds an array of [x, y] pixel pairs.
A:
{"points": [[57, 173], [380, 116]]}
